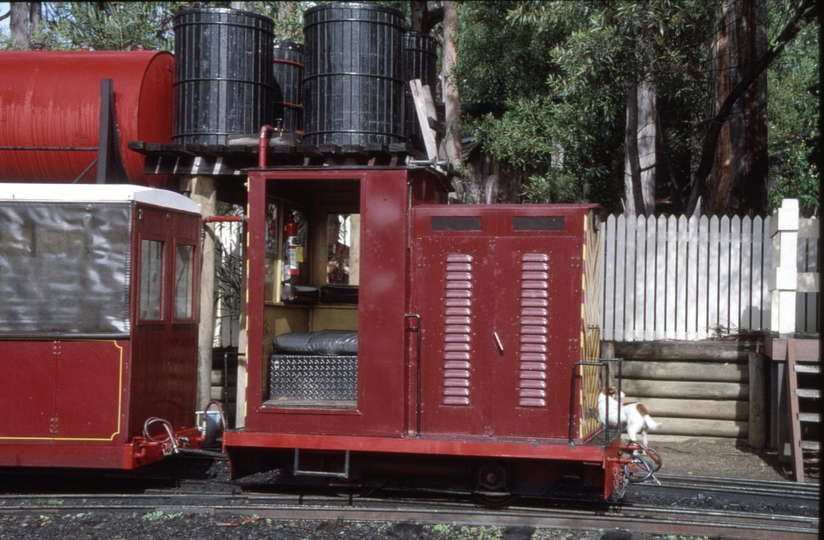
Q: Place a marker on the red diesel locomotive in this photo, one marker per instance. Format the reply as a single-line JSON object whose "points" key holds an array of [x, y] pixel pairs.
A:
{"points": [[457, 348]]}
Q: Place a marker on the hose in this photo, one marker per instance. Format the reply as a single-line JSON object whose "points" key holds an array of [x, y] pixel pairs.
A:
{"points": [[169, 443]]}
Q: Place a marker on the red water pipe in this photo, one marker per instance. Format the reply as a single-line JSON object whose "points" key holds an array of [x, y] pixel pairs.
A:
{"points": [[221, 219], [263, 143]]}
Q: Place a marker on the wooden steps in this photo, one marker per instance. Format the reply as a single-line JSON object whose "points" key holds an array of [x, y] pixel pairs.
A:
{"points": [[795, 393]]}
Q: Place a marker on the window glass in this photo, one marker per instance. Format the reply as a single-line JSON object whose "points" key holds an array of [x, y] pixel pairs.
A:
{"points": [[342, 248], [151, 268], [184, 281], [64, 268]]}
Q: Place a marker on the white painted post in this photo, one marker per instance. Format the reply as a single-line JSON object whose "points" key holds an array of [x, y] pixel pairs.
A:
{"points": [[608, 260], [784, 274]]}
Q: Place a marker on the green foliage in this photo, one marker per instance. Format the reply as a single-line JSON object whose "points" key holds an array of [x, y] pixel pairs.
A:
{"points": [[287, 17], [108, 25], [160, 515], [562, 120], [492, 55], [126, 25], [792, 111]]}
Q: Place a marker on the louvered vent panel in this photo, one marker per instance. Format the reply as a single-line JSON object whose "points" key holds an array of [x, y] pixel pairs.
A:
{"points": [[533, 322], [457, 358]]}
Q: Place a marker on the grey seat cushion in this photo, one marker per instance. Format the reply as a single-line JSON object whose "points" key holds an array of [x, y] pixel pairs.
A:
{"points": [[323, 342]]}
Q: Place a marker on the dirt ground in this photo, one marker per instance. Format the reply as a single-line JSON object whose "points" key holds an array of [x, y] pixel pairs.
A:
{"points": [[718, 457]]}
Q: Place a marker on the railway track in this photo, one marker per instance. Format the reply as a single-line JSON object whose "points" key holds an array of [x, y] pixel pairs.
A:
{"points": [[733, 486], [225, 503]]}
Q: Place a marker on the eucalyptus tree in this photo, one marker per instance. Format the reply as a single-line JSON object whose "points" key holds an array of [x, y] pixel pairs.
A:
{"points": [[794, 137], [559, 77]]}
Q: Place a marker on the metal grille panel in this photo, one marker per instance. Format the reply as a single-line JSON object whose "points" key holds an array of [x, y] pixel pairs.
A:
{"points": [[313, 378], [534, 321], [457, 329]]}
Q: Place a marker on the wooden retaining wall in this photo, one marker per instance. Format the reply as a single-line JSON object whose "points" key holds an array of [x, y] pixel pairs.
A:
{"points": [[699, 389]]}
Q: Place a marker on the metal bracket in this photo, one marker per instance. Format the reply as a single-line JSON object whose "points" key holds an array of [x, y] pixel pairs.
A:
{"points": [[344, 474], [110, 167], [417, 317]]}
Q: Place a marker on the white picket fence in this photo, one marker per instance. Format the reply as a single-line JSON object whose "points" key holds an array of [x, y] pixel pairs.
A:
{"points": [[695, 278]]}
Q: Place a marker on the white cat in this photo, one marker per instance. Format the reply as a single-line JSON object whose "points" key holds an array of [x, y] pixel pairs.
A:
{"points": [[634, 416]]}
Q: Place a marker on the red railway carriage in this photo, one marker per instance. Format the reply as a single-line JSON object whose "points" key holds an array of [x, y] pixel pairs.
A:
{"points": [[472, 329], [98, 324]]}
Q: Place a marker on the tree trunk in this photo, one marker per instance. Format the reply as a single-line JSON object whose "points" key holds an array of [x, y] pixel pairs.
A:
{"points": [[640, 156], [418, 9], [19, 23], [737, 182], [804, 12], [451, 95], [35, 17]]}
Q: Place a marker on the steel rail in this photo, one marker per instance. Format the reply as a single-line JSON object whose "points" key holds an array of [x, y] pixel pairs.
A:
{"points": [[792, 490], [314, 507]]}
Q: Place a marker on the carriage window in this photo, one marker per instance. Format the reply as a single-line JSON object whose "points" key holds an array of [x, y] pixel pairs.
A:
{"points": [[151, 268], [184, 281], [64, 268], [343, 249]]}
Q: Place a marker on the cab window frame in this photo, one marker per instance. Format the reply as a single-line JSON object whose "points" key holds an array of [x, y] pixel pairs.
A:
{"points": [[161, 289]]}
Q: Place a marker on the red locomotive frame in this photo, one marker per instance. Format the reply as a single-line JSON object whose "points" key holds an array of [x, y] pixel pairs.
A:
{"points": [[475, 324]]}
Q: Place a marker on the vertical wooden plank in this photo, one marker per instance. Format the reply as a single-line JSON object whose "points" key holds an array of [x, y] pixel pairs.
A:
{"points": [[640, 276], [608, 306], [795, 424], [629, 295], [757, 419], [724, 275], [766, 266], [620, 276], [682, 275], [703, 269], [671, 249], [692, 279], [735, 274], [712, 279], [745, 309], [650, 289], [660, 266], [757, 288]]}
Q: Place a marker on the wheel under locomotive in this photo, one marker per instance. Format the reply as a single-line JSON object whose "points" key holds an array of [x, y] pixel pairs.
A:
{"points": [[475, 357]]}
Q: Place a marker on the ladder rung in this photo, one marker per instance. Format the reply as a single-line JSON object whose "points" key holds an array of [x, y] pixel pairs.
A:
{"points": [[810, 445], [807, 369], [807, 393], [809, 417]]}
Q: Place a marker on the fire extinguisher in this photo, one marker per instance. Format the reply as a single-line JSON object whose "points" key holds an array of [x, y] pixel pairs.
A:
{"points": [[290, 248]]}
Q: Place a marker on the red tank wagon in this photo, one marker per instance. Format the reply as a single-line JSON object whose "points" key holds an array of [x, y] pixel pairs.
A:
{"points": [[472, 328], [98, 324]]}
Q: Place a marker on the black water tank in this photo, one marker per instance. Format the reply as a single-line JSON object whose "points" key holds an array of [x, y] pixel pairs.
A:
{"points": [[223, 74], [420, 62], [288, 70], [353, 86]]}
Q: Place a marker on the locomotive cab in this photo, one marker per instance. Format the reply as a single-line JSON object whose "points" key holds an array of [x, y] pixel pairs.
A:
{"points": [[310, 290]]}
